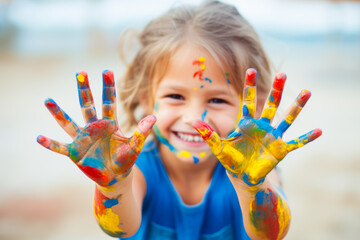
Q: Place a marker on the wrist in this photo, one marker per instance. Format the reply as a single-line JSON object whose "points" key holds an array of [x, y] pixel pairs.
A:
{"points": [[119, 185]]}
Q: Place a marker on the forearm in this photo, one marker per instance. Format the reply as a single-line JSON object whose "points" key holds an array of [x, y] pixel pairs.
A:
{"points": [[266, 214], [116, 210]]}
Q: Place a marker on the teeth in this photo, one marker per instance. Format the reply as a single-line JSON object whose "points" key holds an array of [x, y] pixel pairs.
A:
{"points": [[189, 138]]}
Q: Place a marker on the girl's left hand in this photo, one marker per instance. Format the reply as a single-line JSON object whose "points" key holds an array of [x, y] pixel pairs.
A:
{"points": [[256, 147]]}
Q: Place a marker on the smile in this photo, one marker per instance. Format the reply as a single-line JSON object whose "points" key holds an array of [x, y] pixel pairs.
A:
{"points": [[189, 137]]}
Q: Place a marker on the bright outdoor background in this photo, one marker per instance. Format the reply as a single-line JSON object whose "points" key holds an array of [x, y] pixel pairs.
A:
{"points": [[43, 43]]}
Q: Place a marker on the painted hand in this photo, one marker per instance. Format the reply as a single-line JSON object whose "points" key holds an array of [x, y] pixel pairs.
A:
{"points": [[256, 147], [99, 149]]}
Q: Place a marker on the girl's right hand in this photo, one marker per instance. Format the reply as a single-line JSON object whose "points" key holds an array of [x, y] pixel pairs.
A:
{"points": [[99, 149]]}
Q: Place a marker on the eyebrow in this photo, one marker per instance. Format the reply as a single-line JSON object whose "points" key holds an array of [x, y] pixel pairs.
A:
{"points": [[217, 91]]}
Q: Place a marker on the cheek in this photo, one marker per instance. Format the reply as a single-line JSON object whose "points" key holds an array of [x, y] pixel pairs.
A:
{"points": [[225, 122], [165, 115]]}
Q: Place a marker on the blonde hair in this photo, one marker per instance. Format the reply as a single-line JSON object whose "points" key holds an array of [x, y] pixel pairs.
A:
{"points": [[217, 27]]}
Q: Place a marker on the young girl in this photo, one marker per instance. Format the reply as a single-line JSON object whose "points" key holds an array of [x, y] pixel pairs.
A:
{"points": [[210, 171]]}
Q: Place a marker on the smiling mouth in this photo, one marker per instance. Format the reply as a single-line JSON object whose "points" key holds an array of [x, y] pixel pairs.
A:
{"points": [[195, 138]]}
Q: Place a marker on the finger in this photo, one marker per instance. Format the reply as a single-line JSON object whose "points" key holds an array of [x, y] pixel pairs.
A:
{"points": [[249, 94], [209, 135], [109, 96], [292, 112], [62, 118], [85, 98], [143, 129], [304, 139], [274, 98], [53, 145]]}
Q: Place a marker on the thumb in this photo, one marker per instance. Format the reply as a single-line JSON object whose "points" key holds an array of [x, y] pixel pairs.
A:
{"points": [[208, 134], [142, 131]]}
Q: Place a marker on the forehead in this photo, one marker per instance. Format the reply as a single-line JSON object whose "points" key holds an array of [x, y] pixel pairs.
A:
{"points": [[193, 65]]}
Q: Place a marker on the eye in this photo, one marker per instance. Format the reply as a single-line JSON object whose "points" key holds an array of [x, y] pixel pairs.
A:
{"points": [[175, 96], [217, 100]]}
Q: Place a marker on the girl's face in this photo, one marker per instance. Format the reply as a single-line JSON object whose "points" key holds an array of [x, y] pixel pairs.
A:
{"points": [[181, 98]]}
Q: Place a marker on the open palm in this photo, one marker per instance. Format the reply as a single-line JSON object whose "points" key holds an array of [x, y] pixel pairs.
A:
{"points": [[256, 147], [99, 149]]}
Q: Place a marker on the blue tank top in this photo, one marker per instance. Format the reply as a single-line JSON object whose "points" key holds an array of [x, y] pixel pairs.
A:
{"points": [[166, 216]]}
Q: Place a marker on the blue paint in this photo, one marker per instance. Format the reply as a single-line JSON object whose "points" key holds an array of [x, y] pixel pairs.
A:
{"points": [[234, 134], [228, 81], [259, 197], [156, 107], [201, 86], [163, 140], [196, 160], [110, 203], [93, 162], [264, 119], [245, 110], [203, 115], [208, 79], [271, 97], [113, 182], [246, 180], [283, 126]]}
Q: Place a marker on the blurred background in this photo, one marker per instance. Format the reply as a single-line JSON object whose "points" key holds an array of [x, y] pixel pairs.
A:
{"points": [[43, 43]]}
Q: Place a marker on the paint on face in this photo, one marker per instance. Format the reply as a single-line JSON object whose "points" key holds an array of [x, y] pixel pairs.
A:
{"points": [[108, 220], [201, 64], [203, 115], [269, 214], [208, 79], [181, 153], [227, 78]]}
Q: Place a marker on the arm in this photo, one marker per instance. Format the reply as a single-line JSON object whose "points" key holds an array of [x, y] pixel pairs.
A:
{"points": [[252, 151], [106, 156]]}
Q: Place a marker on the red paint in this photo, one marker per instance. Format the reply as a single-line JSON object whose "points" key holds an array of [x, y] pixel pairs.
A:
{"points": [[276, 97], [199, 73], [268, 215], [94, 174], [250, 77], [205, 130], [279, 81], [315, 134], [196, 62], [108, 77], [99, 200], [42, 140], [84, 97], [50, 104], [303, 97]]}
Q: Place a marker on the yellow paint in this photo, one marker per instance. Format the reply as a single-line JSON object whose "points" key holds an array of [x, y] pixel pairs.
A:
{"points": [[202, 59], [250, 94], [239, 113], [80, 78], [184, 154], [292, 115], [202, 154], [107, 189], [195, 89], [269, 112], [110, 221], [203, 67], [284, 217]]}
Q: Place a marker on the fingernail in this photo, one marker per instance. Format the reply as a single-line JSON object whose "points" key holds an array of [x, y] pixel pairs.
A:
{"points": [[279, 81], [303, 97], [251, 77]]}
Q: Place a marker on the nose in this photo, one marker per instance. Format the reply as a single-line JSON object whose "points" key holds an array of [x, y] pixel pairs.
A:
{"points": [[193, 111]]}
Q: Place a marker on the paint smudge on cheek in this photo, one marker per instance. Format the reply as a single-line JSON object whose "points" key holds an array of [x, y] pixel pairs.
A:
{"points": [[163, 140], [203, 115]]}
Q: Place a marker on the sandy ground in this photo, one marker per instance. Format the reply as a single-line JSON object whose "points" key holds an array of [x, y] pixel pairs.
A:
{"points": [[44, 196]]}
